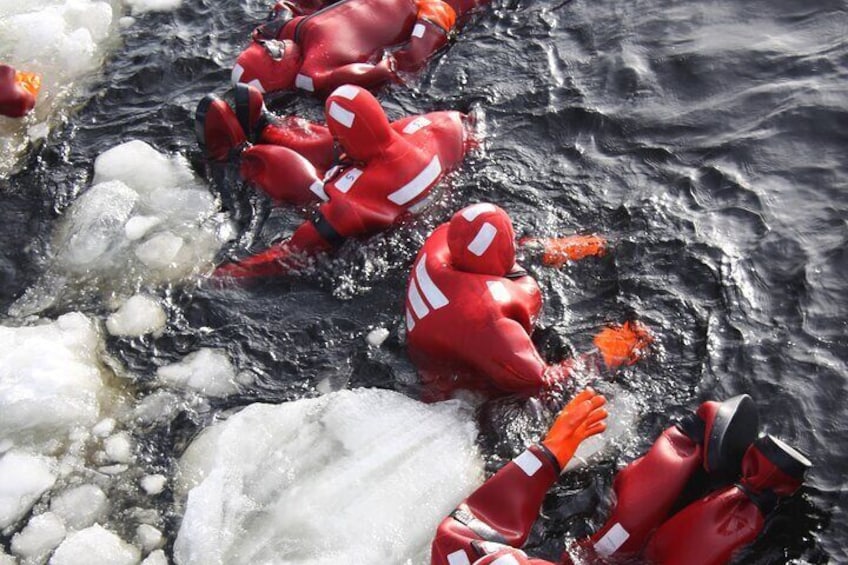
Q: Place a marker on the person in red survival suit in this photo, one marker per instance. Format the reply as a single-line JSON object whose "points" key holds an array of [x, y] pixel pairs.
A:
{"points": [[18, 91], [386, 172], [470, 309], [347, 42], [721, 438]]}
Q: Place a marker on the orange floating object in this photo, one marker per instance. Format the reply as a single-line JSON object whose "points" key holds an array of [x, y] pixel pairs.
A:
{"points": [[623, 344], [31, 82]]}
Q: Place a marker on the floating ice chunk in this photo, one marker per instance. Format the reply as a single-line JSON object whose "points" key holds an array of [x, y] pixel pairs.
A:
{"points": [[104, 427], [137, 164], [149, 538], [153, 484], [119, 448], [309, 485], [141, 6], [95, 544], [92, 234], [155, 558], [377, 336], [23, 478], [80, 507], [138, 226], [207, 370], [160, 251], [50, 380], [7, 559], [138, 316], [41, 535]]}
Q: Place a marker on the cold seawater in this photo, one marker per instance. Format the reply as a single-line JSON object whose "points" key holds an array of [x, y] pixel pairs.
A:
{"points": [[706, 141]]}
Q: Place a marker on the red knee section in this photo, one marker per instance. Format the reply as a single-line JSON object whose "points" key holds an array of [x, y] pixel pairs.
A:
{"points": [[647, 489], [710, 530], [311, 140], [283, 174], [645, 492]]}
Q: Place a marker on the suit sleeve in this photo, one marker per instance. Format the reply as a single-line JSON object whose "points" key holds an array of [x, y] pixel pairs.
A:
{"points": [[496, 519]]}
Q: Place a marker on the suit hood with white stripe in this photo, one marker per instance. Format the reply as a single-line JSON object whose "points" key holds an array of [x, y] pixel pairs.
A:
{"points": [[481, 240], [358, 122], [268, 65]]}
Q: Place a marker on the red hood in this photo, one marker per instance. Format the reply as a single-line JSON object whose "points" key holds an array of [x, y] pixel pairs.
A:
{"points": [[358, 122], [268, 65], [481, 240]]}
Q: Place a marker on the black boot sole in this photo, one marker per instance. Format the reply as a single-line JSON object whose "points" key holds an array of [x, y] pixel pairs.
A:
{"points": [[735, 427]]}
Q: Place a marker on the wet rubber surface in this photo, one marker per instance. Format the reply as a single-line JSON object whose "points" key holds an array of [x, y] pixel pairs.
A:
{"points": [[706, 141]]}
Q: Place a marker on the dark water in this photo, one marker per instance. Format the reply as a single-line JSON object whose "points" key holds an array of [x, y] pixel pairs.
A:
{"points": [[706, 140]]}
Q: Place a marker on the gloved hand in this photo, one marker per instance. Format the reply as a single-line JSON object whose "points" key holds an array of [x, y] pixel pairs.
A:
{"points": [[624, 344], [583, 417], [18, 91], [557, 251]]}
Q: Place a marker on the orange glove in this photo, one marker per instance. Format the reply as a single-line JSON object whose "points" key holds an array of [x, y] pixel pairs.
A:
{"points": [[583, 417], [30, 82], [623, 344], [437, 12], [557, 251]]}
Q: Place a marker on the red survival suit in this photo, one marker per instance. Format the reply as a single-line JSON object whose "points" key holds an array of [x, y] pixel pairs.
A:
{"points": [[18, 91], [347, 42], [496, 519], [388, 170], [470, 310]]}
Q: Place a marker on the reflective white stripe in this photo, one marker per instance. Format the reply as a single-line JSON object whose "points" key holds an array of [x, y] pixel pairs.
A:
{"points": [[498, 290], [528, 462], [347, 180], [419, 184], [471, 212], [410, 321], [344, 117], [483, 239], [416, 125], [505, 560], [257, 84], [304, 82], [458, 558], [418, 30], [434, 296], [238, 70], [318, 188], [416, 301], [346, 91], [612, 540], [490, 547]]}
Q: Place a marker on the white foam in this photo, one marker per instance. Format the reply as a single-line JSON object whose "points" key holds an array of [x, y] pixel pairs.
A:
{"points": [[63, 41], [359, 476], [138, 316], [81, 506], [23, 479], [207, 371], [41, 536], [95, 545], [50, 381], [146, 221]]}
